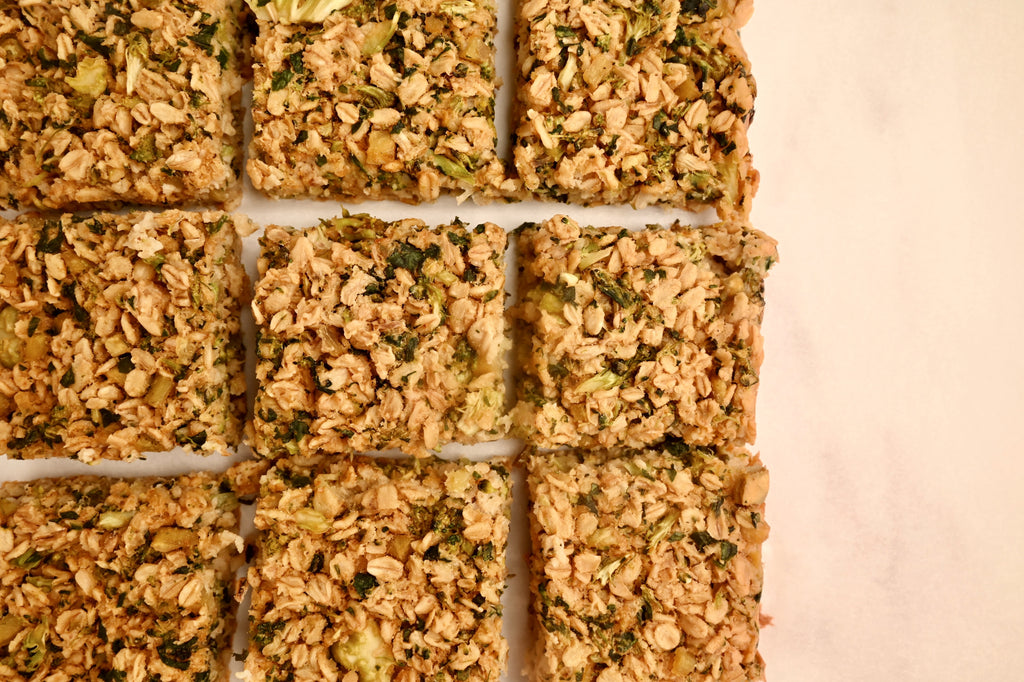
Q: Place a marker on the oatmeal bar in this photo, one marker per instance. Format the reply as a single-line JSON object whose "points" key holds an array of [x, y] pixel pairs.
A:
{"points": [[627, 337], [106, 579], [110, 101], [635, 102], [646, 565], [377, 100], [120, 334], [376, 335], [375, 569]]}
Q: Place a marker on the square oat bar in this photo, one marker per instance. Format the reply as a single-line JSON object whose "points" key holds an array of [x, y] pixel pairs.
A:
{"points": [[376, 335], [107, 579], [120, 334], [646, 565], [380, 100], [639, 102], [376, 569], [625, 338], [109, 101]]}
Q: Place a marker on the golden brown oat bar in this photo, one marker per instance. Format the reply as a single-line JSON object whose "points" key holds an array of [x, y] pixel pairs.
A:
{"points": [[377, 100], [640, 102], [108, 579], [375, 569], [114, 101], [120, 334], [376, 335], [625, 338], [646, 565]]}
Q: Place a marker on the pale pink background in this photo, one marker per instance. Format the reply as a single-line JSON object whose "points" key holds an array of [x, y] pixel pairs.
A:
{"points": [[889, 137]]}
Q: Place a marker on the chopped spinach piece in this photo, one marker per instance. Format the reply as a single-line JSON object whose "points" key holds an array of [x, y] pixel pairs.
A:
{"points": [[460, 240], [177, 656], [363, 583], [408, 257], [51, 237], [281, 79], [698, 7], [94, 42], [265, 632], [729, 550], [702, 539]]}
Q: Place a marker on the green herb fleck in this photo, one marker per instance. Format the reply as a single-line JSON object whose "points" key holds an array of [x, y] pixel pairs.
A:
{"points": [[408, 257], [51, 237], [203, 39]]}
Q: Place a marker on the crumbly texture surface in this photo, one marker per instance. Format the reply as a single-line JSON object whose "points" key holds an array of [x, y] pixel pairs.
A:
{"points": [[377, 335], [625, 338], [382, 100], [646, 565], [635, 102], [106, 102], [120, 334], [105, 579], [370, 570]]}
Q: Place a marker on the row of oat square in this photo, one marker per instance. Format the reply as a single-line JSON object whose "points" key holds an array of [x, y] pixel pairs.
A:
{"points": [[617, 102], [644, 565], [121, 334]]}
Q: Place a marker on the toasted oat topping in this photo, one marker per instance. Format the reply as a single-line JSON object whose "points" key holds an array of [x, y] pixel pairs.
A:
{"points": [[377, 335], [112, 101], [640, 102], [371, 570], [625, 338], [106, 579], [120, 334], [646, 565], [380, 100]]}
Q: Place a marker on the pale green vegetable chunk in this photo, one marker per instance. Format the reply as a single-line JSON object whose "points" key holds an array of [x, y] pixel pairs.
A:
{"points": [[90, 77]]}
